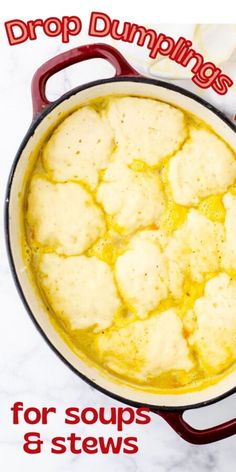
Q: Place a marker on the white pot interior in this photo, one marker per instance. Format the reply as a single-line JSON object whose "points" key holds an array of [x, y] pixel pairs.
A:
{"points": [[33, 300]]}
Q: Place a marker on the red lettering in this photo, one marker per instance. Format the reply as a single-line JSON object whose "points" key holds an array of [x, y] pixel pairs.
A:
{"points": [[203, 79], [31, 28], [36, 415], [18, 406], [73, 439], [110, 445], [89, 445], [164, 45], [143, 416], [222, 83], [47, 27], [122, 417], [32, 443], [143, 34], [188, 57], [68, 30], [59, 446], [72, 416], [181, 45], [112, 418], [93, 25], [131, 446], [124, 35], [85, 415], [45, 413], [13, 37]]}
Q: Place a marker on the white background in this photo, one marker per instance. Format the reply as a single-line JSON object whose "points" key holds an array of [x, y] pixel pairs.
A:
{"points": [[29, 370]]}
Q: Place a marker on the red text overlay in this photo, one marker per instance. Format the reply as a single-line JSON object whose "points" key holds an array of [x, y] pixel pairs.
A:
{"points": [[205, 73], [75, 443]]}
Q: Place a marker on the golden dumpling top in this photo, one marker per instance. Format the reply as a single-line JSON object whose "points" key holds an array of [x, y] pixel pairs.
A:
{"points": [[79, 148], [131, 199], [63, 217], [80, 285], [144, 343], [203, 166], [146, 129]]}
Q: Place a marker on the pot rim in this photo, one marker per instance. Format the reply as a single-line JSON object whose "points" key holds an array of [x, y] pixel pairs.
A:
{"points": [[36, 121]]}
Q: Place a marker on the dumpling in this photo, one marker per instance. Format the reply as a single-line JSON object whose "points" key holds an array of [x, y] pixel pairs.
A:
{"points": [[141, 274], [146, 129], [80, 289], [63, 216], [215, 313], [133, 199], [79, 147], [147, 348], [205, 165], [194, 250]]}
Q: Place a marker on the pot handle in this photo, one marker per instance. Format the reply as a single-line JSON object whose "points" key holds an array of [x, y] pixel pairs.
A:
{"points": [[197, 436], [73, 56]]}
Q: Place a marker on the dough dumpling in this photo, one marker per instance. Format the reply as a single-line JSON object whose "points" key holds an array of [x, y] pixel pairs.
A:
{"points": [[215, 313], [204, 166], [80, 289], [194, 250], [133, 199], [141, 274], [146, 129], [147, 348], [79, 147], [64, 216]]}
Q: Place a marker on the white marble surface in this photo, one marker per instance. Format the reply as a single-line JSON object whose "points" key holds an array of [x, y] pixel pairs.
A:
{"points": [[29, 370]]}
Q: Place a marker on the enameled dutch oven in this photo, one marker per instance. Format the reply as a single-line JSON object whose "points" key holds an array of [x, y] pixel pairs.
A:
{"points": [[126, 81]]}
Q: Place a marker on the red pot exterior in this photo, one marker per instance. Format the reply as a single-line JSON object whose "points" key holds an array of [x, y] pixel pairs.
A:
{"points": [[195, 436], [74, 56]]}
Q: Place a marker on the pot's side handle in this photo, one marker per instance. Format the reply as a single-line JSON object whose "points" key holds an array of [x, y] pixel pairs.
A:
{"points": [[73, 56], [197, 436]]}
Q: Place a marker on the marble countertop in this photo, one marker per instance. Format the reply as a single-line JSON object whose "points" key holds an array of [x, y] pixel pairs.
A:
{"points": [[29, 370]]}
